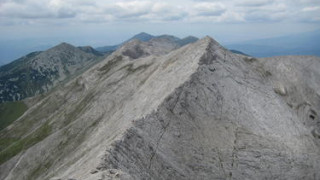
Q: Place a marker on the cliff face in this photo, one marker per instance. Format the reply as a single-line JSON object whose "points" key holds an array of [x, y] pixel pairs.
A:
{"points": [[198, 112]]}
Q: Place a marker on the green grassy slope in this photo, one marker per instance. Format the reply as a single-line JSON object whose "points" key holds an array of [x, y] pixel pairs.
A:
{"points": [[10, 111]]}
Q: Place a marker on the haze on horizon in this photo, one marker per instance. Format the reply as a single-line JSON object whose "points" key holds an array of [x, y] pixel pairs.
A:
{"points": [[33, 24]]}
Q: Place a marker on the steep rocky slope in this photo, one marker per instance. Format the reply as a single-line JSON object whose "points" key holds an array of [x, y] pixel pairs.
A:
{"points": [[38, 72], [197, 112]]}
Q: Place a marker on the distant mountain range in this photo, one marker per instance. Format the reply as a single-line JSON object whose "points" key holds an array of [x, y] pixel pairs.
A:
{"points": [[144, 37], [298, 44]]}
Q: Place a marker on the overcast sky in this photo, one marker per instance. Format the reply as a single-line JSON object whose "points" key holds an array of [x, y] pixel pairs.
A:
{"points": [[102, 22]]}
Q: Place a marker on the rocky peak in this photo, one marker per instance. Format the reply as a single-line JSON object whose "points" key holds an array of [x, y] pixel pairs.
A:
{"points": [[38, 72], [191, 37], [63, 46], [168, 37], [142, 36]]}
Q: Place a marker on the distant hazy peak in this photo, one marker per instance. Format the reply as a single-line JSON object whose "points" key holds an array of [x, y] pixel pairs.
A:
{"points": [[89, 49], [170, 37], [85, 47], [187, 40], [145, 37], [62, 46], [143, 34], [142, 37], [190, 37]]}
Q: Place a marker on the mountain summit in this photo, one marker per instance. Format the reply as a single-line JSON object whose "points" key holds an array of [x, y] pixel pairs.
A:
{"points": [[142, 37], [145, 37], [195, 112], [39, 72]]}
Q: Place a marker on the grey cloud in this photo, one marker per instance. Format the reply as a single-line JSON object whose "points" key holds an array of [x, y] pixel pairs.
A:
{"points": [[175, 17], [121, 13], [100, 11], [253, 3], [65, 13], [255, 17], [130, 15], [304, 2], [41, 15], [34, 10], [16, 1], [145, 11], [307, 16], [212, 13], [206, 0], [128, 10], [210, 9], [265, 16]]}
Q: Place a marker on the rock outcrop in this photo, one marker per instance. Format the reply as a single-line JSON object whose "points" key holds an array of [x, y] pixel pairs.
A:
{"points": [[197, 112]]}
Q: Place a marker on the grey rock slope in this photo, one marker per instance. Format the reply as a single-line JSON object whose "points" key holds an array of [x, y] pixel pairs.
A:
{"points": [[38, 72], [144, 37], [197, 112]]}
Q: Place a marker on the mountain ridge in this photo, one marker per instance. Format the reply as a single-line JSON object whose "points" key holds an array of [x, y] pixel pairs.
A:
{"points": [[194, 112], [144, 37], [174, 114]]}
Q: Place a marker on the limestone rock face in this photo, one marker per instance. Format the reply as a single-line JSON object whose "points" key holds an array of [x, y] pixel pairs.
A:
{"points": [[196, 112]]}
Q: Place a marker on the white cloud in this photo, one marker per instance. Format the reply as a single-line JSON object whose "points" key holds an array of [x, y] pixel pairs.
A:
{"points": [[101, 11], [306, 9], [232, 17], [209, 9], [131, 9]]}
